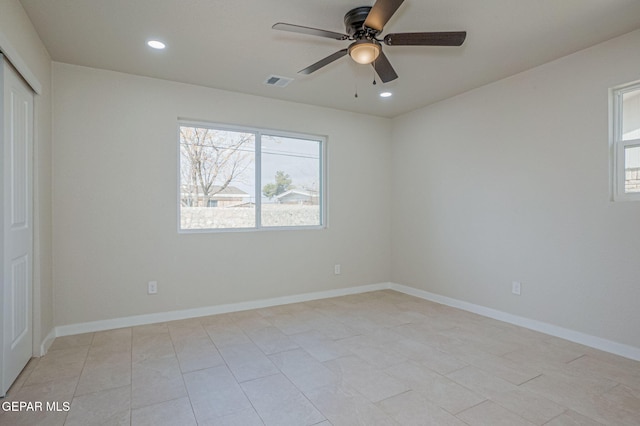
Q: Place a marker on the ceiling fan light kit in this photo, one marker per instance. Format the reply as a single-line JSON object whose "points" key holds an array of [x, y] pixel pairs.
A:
{"points": [[363, 25], [364, 51]]}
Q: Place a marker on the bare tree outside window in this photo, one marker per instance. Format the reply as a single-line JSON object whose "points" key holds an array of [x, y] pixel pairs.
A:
{"points": [[212, 160], [216, 171]]}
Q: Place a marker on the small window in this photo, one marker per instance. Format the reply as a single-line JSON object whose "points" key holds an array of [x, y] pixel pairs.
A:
{"points": [[626, 142], [249, 179]]}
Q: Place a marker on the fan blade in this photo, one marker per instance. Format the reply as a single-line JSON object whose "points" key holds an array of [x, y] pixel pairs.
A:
{"points": [[308, 30], [384, 69], [452, 38], [381, 12], [326, 61]]}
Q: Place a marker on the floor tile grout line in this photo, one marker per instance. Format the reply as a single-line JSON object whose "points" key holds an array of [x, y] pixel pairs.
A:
{"points": [[471, 407], [84, 363], [575, 359], [226, 364], [184, 384], [281, 372], [533, 378]]}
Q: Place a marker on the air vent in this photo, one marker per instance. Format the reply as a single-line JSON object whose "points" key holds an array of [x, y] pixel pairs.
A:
{"points": [[278, 81]]}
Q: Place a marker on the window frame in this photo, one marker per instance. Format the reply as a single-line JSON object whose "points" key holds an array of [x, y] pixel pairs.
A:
{"points": [[258, 132], [617, 145]]}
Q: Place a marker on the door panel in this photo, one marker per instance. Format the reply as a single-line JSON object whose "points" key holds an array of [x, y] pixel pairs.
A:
{"points": [[18, 116], [17, 235], [19, 300]]}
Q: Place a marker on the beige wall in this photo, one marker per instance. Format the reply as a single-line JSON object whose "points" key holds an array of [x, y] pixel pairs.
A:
{"points": [[510, 182], [20, 34], [115, 195]]}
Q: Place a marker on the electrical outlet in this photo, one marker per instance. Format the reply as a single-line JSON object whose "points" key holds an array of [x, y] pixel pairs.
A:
{"points": [[152, 287], [516, 287], [336, 269]]}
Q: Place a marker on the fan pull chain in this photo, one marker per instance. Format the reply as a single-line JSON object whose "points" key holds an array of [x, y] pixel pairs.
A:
{"points": [[374, 73], [356, 94]]}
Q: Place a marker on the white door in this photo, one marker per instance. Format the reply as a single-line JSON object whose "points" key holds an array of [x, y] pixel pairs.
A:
{"points": [[16, 123]]}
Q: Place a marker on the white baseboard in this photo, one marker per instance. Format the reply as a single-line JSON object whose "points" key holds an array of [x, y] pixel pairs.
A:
{"points": [[46, 342], [110, 324], [621, 349]]}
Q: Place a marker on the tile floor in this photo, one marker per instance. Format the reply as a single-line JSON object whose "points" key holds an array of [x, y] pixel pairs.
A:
{"points": [[380, 358]]}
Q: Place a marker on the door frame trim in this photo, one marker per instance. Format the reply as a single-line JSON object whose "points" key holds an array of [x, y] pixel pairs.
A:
{"points": [[19, 64]]}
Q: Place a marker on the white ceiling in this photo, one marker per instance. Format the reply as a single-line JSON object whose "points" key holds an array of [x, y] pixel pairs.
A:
{"points": [[230, 44]]}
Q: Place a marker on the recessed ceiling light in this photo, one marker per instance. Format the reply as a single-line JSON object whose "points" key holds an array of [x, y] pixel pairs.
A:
{"points": [[156, 44], [385, 94]]}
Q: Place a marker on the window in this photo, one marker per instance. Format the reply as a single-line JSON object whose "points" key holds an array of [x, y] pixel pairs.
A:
{"points": [[232, 178], [626, 142]]}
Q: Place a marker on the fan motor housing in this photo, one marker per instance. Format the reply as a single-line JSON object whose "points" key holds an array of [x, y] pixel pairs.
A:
{"points": [[354, 22]]}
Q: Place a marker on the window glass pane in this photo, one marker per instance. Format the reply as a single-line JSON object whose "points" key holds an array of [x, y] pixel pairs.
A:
{"points": [[632, 169], [631, 115], [217, 173], [290, 172]]}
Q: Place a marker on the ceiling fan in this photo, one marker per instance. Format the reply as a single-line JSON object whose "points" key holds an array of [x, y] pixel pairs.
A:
{"points": [[363, 26]]}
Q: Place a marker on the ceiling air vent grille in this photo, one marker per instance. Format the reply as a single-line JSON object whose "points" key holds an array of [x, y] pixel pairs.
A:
{"points": [[278, 81]]}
